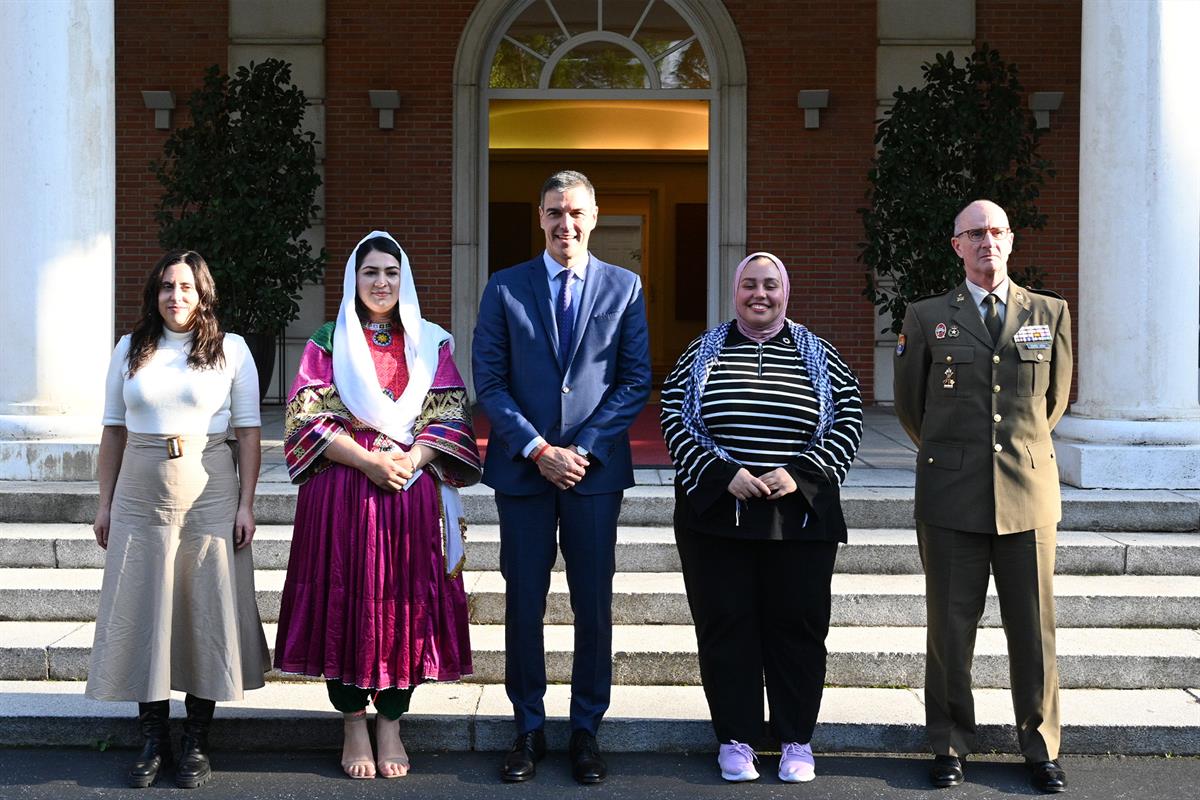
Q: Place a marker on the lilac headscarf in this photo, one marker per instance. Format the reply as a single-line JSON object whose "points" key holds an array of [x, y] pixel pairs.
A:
{"points": [[776, 325]]}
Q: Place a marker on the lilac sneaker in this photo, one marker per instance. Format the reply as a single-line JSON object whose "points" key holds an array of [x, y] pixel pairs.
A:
{"points": [[796, 765], [737, 762]]}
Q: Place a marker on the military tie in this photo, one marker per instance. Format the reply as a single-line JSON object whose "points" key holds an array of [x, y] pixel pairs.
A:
{"points": [[565, 317], [992, 319]]}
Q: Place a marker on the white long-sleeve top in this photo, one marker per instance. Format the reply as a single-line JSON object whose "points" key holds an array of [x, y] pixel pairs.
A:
{"points": [[166, 396]]}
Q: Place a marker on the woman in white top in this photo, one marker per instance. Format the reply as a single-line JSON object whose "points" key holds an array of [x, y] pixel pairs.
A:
{"points": [[177, 609]]}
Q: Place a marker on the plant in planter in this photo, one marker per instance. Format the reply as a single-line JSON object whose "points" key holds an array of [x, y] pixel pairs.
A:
{"points": [[964, 135], [239, 188]]}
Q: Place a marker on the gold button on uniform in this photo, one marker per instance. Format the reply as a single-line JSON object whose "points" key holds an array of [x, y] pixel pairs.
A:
{"points": [[930, 461], [995, 359], [996, 388], [949, 359], [566, 390], [995, 418], [997, 448], [1041, 357]]}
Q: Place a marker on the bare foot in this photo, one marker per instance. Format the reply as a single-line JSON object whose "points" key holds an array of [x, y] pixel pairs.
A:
{"points": [[393, 760], [357, 759]]}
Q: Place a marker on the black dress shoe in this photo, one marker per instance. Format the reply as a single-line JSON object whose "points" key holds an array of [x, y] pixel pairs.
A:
{"points": [[587, 766], [520, 763], [1047, 776], [946, 771]]}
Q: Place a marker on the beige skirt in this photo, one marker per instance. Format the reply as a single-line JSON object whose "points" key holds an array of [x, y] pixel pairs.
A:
{"points": [[177, 608]]}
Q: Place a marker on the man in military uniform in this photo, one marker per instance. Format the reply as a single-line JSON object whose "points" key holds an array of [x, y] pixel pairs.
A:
{"points": [[982, 375]]}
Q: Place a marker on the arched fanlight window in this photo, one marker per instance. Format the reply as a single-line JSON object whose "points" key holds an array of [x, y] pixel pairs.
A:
{"points": [[605, 44]]}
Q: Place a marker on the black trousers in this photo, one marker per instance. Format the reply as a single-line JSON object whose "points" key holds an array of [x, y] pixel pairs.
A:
{"points": [[761, 610]]}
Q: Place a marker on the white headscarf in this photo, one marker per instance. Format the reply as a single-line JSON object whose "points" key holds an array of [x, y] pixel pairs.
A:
{"points": [[354, 371]]}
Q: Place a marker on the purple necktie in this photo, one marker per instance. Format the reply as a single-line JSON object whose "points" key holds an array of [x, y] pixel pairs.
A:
{"points": [[564, 316]]}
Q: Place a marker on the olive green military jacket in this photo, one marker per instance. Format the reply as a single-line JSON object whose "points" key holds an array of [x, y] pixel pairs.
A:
{"points": [[980, 415]]}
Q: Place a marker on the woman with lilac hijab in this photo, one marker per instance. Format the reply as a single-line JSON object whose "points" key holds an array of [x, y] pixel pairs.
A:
{"points": [[762, 419]]}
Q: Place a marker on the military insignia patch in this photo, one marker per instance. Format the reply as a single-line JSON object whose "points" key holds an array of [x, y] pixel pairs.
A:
{"points": [[953, 332], [940, 330], [900, 345], [948, 378]]}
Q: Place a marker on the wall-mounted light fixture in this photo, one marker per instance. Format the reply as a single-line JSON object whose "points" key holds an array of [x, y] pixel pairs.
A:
{"points": [[1042, 103], [161, 104], [387, 101], [812, 101]]}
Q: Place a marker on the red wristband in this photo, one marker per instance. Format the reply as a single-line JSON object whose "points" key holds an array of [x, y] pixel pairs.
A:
{"points": [[539, 452]]}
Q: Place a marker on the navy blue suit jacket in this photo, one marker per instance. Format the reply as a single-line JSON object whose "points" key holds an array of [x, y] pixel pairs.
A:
{"points": [[526, 393]]}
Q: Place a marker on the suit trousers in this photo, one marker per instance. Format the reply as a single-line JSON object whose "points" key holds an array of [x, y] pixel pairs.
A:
{"points": [[956, 567], [761, 609], [587, 534]]}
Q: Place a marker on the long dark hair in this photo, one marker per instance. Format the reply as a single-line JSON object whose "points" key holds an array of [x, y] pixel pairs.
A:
{"points": [[208, 339], [380, 244]]}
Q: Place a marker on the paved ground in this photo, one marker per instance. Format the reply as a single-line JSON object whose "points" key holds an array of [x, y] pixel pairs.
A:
{"points": [[68, 774]]}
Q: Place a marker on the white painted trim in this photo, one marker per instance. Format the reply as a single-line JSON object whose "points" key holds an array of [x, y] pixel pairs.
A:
{"points": [[600, 36], [718, 35]]}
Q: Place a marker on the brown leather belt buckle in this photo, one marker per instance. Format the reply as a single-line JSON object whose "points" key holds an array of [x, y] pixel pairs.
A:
{"points": [[174, 446]]}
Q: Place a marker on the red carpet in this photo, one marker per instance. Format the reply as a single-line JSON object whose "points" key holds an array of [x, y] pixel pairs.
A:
{"points": [[645, 436]]}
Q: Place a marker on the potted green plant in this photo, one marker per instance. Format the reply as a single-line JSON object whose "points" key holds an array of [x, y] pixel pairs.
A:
{"points": [[965, 134], [239, 186]]}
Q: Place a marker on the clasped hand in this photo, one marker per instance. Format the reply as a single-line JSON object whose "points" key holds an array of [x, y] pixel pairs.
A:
{"points": [[772, 485], [388, 469], [561, 466]]}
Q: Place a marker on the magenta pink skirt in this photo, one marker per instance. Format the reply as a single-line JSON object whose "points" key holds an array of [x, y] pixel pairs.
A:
{"points": [[367, 600]]}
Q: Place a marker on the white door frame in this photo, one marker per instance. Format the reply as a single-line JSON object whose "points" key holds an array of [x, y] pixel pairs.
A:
{"points": [[718, 34]]}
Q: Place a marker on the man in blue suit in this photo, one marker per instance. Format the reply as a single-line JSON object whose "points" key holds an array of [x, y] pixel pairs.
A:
{"points": [[562, 368]]}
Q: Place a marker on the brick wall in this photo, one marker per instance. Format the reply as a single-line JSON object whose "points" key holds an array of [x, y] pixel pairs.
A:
{"points": [[158, 46], [805, 186], [1043, 40], [398, 180]]}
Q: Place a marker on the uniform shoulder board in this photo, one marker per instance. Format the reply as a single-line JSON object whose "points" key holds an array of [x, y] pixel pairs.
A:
{"points": [[1047, 293]]}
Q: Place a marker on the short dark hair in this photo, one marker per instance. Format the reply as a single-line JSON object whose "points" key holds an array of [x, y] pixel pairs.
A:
{"points": [[382, 244], [566, 179]]}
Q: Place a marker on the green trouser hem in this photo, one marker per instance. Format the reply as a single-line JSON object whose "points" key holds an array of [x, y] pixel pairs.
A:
{"points": [[392, 703]]}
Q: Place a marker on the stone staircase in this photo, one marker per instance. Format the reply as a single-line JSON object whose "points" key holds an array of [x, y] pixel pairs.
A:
{"points": [[1128, 608]]}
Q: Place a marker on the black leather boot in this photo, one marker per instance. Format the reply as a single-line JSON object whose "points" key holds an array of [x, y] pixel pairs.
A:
{"points": [[156, 751], [194, 770]]}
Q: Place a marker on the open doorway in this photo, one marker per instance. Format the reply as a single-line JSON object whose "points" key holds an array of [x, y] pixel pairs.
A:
{"points": [[648, 160]]}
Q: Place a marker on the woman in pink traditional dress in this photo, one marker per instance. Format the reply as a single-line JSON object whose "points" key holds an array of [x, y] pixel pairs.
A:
{"points": [[378, 435]]}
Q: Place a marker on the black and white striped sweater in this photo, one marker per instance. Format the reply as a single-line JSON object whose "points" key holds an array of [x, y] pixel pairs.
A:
{"points": [[759, 405]]}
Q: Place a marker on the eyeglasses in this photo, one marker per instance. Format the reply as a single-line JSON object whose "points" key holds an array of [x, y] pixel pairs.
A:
{"points": [[977, 234]]}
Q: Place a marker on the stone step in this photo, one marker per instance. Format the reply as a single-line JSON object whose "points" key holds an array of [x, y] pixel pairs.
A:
{"points": [[1101, 658], [865, 507], [657, 598], [649, 549], [478, 717], [1100, 601]]}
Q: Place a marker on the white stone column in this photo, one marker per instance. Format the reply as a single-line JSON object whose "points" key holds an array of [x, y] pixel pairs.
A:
{"points": [[58, 194], [1137, 420]]}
